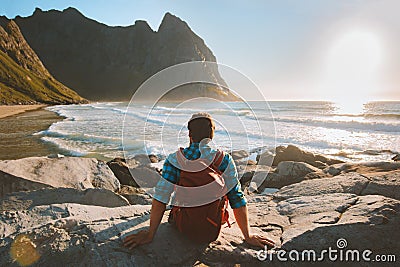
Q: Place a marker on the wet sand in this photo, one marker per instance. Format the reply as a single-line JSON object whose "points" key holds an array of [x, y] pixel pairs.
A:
{"points": [[6, 111], [17, 132]]}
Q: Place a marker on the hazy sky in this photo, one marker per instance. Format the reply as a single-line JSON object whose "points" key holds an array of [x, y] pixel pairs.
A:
{"points": [[309, 49]]}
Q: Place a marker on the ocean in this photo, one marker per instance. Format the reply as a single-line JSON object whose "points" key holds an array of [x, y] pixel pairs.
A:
{"points": [[112, 129]]}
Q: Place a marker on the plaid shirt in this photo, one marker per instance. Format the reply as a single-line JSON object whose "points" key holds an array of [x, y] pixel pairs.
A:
{"points": [[170, 174]]}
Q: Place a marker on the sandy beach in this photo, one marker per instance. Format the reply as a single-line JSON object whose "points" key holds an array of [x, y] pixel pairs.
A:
{"points": [[6, 111], [18, 128]]}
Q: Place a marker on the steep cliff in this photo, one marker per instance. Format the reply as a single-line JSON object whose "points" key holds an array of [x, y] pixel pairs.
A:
{"points": [[23, 77], [109, 63]]}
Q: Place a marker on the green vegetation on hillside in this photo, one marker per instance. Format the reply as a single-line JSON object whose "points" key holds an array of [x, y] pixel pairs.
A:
{"points": [[20, 86]]}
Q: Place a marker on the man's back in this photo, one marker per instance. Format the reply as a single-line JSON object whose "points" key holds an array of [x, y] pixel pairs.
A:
{"points": [[171, 173]]}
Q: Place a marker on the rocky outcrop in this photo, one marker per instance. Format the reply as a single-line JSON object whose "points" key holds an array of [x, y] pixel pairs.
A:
{"points": [[76, 234], [362, 167], [293, 153], [109, 63], [23, 78], [79, 173], [68, 227], [286, 173], [295, 169]]}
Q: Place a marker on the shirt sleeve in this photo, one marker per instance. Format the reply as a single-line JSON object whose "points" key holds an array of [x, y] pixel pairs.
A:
{"points": [[230, 175], [165, 185]]}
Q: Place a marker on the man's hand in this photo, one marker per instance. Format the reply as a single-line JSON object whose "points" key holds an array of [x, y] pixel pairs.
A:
{"points": [[243, 222], [140, 238], [146, 236], [259, 241]]}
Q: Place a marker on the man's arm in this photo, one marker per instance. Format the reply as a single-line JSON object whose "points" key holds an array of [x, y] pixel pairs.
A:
{"points": [[239, 204], [243, 223], [163, 190], [146, 236]]}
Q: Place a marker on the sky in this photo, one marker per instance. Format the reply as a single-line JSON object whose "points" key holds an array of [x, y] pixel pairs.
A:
{"points": [[292, 50]]}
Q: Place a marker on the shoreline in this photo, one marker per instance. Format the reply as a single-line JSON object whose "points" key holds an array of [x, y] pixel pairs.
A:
{"points": [[17, 121], [10, 110], [18, 128]]}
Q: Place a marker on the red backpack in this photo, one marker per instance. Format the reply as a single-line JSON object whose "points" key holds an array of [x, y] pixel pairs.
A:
{"points": [[201, 223]]}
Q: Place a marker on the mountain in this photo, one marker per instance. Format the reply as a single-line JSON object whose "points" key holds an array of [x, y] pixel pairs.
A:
{"points": [[109, 63], [23, 77]]}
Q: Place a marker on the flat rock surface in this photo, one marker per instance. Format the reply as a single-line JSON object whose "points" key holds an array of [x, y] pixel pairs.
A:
{"points": [[363, 167], [312, 214], [386, 184], [92, 196], [352, 183]]}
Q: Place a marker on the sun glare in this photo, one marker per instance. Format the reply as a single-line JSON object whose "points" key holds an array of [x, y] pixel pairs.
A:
{"points": [[352, 72]]}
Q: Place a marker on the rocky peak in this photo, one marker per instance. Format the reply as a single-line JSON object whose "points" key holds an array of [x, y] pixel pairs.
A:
{"points": [[172, 22], [141, 25], [69, 11], [37, 11], [72, 10]]}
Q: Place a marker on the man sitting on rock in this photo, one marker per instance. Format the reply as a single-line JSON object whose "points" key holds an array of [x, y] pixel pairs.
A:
{"points": [[201, 130]]}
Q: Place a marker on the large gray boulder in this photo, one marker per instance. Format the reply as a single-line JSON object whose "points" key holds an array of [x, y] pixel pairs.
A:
{"points": [[72, 172], [290, 172], [246, 173], [386, 184], [136, 172], [293, 153], [352, 183], [145, 176], [92, 196], [295, 169], [120, 168], [10, 183]]}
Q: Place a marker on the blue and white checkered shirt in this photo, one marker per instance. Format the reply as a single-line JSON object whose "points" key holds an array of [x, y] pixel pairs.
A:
{"points": [[170, 174]]}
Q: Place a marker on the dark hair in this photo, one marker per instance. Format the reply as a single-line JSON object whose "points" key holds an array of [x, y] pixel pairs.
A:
{"points": [[200, 128]]}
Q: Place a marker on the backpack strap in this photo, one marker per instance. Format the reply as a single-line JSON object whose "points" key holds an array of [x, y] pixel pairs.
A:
{"points": [[219, 156], [182, 160]]}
